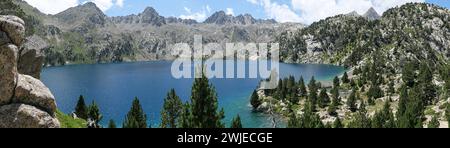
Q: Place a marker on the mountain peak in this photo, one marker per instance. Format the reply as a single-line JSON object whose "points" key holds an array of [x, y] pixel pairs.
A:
{"points": [[353, 13], [150, 10], [87, 14], [151, 16], [221, 18], [372, 14]]}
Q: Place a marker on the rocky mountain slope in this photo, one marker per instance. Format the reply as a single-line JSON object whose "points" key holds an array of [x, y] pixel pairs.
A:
{"points": [[401, 57], [83, 34], [25, 102], [412, 31]]}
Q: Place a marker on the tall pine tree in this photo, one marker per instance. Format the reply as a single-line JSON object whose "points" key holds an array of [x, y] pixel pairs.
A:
{"points": [[81, 109], [136, 118], [171, 110], [345, 78], [236, 123], [204, 105], [351, 101], [425, 80], [324, 99], [112, 124], [312, 86], [302, 87], [408, 74], [94, 114]]}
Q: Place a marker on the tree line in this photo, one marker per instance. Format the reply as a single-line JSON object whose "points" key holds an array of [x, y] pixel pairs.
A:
{"points": [[202, 111], [417, 91]]}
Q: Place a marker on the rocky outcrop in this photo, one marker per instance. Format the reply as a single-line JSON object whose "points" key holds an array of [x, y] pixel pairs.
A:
{"points": [[149, 16], [14, 28], [25, 102], [372, 14], [33, 92], [31, 58], [25, 116], [8, 72]]}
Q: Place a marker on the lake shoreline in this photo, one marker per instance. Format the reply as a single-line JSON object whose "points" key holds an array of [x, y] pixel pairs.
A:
{"points": [[112, 85]]}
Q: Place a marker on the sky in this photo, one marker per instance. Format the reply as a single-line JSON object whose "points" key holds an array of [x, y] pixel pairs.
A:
{"points": [[302, 11]]}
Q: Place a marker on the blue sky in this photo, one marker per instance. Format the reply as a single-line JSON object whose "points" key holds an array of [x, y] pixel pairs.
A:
{"points": [[304, 11]]}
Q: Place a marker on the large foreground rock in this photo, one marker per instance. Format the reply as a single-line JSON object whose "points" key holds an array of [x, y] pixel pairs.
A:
{"points": [[8, 72], [25, 116], [30, 63], [30, 56], [32, 91], [4, 39], [14, 28]]}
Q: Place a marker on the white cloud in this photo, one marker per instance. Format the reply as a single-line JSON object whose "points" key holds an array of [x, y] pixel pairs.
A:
{"points": [[56, 6], [187, 10], [279, 12], [253, 1], [119, 3], [309, 11], [208, 8], [230, 11], [198, 16], [52, 6], [103, 4]]}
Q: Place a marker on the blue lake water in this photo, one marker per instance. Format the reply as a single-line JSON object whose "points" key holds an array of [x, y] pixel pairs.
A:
{"points": [[114, 86]]}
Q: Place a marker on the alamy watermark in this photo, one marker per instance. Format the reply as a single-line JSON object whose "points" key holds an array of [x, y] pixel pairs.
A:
{"points": [[211, 60]]}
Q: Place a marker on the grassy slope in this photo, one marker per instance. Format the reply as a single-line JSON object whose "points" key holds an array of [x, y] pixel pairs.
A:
{"points": [[69, 122]]}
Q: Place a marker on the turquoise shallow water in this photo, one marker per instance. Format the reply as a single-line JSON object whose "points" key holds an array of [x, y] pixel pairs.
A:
{"points": [[113, 86]]}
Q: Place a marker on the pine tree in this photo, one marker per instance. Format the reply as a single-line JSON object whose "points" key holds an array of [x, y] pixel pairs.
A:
{"points": [[360, 120], [389, 116], [345, 78], [391, 88], [408, 75], [425, 80], [94, 114], [302, 88], [171, 110], [332, 108], [136, 117], [313, 91], [336, 82], [337, 123], [351, 101], [375, 92], [236, 123], [254, 100], [402, 101], [204, 105], [81, 109], [414, 110], [307, 120], [434, 123], [324, 99], [384, 118], [112, 124], [370, 101], [185, 117]]}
